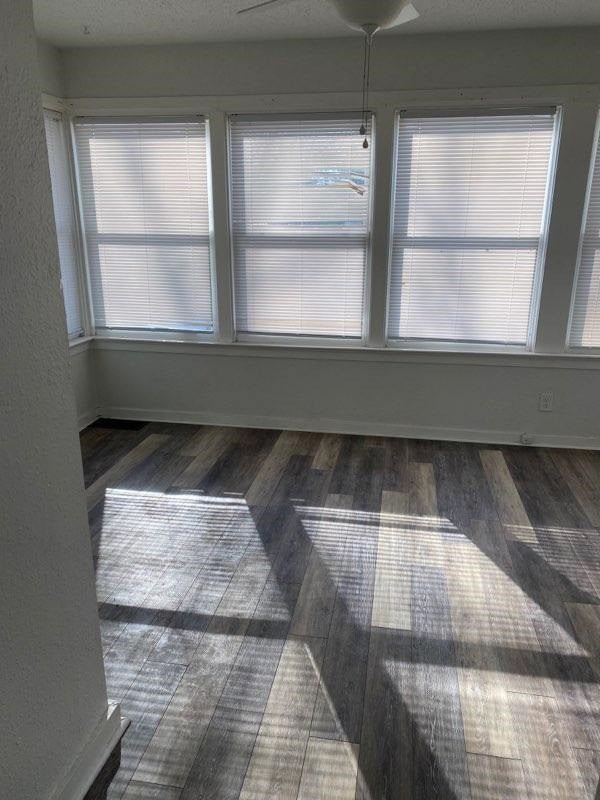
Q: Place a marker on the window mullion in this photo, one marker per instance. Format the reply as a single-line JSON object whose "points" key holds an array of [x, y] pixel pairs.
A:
{"points": [[379, 251], [221, 236]]}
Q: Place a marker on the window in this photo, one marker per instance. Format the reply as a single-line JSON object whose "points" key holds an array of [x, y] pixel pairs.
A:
{"points": [[66, 230], [144, 195], [585, 314], [300, 200], [469, 226]]}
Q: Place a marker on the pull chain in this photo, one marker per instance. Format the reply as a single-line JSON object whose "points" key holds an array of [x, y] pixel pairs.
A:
{"points": [[366, 86]]}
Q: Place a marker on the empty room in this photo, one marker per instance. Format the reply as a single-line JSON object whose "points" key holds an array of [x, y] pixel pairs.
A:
{"points": [[300, 400]]}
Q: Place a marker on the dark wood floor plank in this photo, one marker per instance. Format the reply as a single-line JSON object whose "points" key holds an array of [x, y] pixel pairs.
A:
{"points": [[220, 765], [326, 530], [150, 791], [508, 502], [95, 491], [577, 472], [549, 765], [548, 500], [170, 754], [104, 449], [327, 452], [586, 623], [205, 451], [588, 762], [440, 759], [386, 746], [234, 471], [275, 767], [304, 615], [393, 569], [396, 478], [144, 704], [222, 758], [479, 621], [329, 770], [344, 669], [265, 482], [495, 778], [291, 561], [463, 494], [242, 703]]}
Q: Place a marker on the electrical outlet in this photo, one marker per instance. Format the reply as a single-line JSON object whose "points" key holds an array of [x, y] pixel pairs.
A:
{"points": [[546, 401]]}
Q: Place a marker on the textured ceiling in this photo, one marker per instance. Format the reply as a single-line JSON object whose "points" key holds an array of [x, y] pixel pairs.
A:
{"points": [[62, 22]]}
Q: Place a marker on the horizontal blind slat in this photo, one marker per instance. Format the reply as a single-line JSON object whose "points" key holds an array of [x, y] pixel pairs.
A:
{"points": [[300, 225], [144, 187], [469, 199]]}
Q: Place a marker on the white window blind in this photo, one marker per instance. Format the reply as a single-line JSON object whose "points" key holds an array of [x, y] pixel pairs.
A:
{"points": [[468, 226], [64, 216], [144, 193], [300, 198], [585, 314]]}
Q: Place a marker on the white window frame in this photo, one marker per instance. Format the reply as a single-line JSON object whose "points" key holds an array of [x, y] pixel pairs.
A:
{"points": [[216, 109], [137, 333], [58, 106], [442, 345], [577, 349], [299, 340]]}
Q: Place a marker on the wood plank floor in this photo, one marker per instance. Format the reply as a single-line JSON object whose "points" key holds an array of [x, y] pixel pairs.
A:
{"points": [[296, 615]]}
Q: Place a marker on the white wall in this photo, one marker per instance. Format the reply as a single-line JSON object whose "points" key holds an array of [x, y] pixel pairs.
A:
{"points": [[503, 58], [450, 395], [50, 69], [53, 693], [434, 396], [83, 379]]}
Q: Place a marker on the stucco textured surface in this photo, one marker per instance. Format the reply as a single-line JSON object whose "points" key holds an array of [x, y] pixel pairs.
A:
{"points": [[162, 21], [428, 61], [51, 672]]}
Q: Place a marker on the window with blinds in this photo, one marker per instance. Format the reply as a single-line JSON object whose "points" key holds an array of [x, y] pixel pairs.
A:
{"points": [[469, 220], [144, 195], [300, 201], [64, 216], [585, 312]]}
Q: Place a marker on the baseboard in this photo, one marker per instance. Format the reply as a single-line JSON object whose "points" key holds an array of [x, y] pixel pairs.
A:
{"points": [[93, 756], [87, 418], [323, 425]]}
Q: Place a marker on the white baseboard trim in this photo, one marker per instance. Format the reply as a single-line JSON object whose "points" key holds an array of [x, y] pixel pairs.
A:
{"points": [[87, 418], [93, 756], [359, 428]]}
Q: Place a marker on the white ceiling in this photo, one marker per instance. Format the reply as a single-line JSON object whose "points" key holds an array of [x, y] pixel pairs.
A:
{"points": [[62, 22]]}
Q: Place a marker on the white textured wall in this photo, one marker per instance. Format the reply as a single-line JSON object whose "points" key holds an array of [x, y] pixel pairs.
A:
{"points": [[50, 69], [500, 58], [53, 692]]}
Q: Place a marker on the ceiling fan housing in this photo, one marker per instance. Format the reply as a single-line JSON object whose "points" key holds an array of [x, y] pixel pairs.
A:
{"points": [[378, 13]]}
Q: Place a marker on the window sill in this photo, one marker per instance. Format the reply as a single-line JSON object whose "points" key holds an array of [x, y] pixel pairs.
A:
{"points": [[331, 352], [80, 344]]}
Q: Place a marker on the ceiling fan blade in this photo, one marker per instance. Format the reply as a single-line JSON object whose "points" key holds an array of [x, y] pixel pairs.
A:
{"points": [[408, 13], [257, 6]]}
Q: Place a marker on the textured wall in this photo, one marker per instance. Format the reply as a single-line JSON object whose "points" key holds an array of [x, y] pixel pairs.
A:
{"points": [[501, 58], [52, 683], [50, 69]]}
